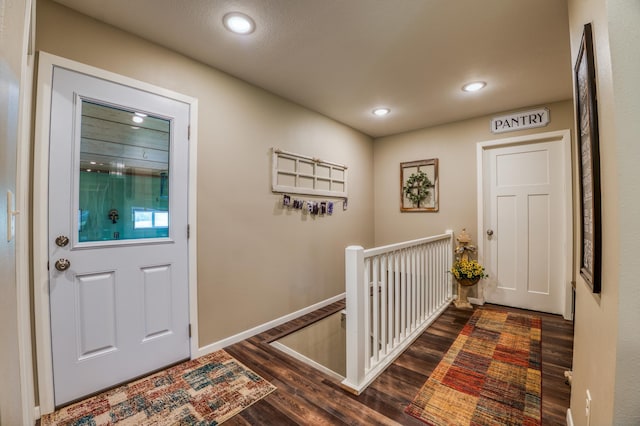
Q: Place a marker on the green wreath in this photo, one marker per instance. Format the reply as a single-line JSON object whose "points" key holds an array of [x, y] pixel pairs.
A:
{"points": [[416, 189]]}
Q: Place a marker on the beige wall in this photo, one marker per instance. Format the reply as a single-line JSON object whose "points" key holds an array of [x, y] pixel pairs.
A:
{"points": [[12, 46], [624, 37], [256, 261], [454, 145], [607, 337]]}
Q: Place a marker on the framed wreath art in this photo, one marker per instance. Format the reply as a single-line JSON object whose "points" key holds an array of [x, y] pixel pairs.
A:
{"points": [[419, 186]]}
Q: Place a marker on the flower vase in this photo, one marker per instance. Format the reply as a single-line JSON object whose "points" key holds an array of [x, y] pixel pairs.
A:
{"points": [[464, 285]]}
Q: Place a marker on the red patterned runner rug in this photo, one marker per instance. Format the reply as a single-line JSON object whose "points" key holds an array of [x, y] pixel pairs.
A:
{"points": [[490, 375], [203, 391]]}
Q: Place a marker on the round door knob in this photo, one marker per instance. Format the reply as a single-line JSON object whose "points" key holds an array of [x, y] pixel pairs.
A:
{"points": [[489, 232], [62, 264]]}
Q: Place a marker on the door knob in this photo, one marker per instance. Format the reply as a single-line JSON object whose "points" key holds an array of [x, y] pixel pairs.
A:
{"points": [[62, 241], [62, 264], [489, 232]]}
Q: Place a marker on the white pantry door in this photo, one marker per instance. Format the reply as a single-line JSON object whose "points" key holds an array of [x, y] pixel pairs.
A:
{"points": [[524, 221], [118, 279]]}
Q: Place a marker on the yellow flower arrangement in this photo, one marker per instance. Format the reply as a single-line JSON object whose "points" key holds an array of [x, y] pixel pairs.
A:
{"points": [[468, 269]]}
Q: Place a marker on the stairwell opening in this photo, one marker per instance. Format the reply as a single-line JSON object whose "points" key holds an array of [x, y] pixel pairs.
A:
{"points": [[321, 344]]}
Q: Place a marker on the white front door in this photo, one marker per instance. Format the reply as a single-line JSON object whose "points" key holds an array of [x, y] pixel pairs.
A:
{"points": [[524, 219], [118, 185]]}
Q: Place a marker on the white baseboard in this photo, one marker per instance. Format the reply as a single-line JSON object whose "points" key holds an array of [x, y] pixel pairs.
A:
{"points": [[569, 417], [220, 344]]}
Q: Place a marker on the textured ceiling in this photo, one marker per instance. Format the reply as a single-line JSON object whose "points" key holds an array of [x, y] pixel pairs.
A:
{"points": [[343, 58]]}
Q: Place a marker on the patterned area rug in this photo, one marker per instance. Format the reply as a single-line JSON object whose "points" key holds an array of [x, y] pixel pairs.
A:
{"points": [[204, 392], [490, 375]]}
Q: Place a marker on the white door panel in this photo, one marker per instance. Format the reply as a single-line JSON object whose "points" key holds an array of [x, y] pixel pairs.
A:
{"points": [[157, 301], [118, 191], [524, 209], [539, 239], [96, 314], [506, 247]]}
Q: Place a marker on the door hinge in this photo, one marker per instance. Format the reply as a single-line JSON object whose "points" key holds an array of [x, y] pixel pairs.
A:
{"points": [[188, 231], [47, 265], [189, 133], [189, 330]]}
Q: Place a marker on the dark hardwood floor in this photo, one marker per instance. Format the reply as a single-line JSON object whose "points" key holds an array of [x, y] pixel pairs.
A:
{"points": [[307, 397]]}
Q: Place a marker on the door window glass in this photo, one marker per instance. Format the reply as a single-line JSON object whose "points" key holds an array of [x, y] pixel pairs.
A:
{"points": [[124, 174]]}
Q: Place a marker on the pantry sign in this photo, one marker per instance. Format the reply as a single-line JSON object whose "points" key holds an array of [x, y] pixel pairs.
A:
{"points": [[520, 120]]}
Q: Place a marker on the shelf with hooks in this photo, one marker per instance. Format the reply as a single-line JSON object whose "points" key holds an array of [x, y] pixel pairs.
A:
{"points": [[300, 174]]}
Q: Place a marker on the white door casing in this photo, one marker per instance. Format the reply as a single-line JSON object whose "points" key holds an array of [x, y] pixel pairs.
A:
{"points": [[138, 293], [525, 203]]}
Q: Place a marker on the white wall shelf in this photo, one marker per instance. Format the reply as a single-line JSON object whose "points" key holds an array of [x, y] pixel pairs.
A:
{"points": [[300, 174]]}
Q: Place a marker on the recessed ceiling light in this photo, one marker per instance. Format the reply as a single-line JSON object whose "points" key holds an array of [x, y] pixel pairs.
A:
{"points": [[239, 23], [474, 87], [137, 119], [381, 112]]}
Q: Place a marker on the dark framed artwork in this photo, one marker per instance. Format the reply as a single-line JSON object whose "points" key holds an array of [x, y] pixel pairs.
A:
{"points": [[419, 186], [589, 163]]}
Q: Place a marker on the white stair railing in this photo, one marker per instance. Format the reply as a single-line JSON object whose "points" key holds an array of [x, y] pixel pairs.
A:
{"points": [[393, 294]]}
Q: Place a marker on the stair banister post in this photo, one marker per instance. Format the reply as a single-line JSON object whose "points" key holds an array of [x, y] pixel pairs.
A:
{"points": [[449, 279], [355, 306]]}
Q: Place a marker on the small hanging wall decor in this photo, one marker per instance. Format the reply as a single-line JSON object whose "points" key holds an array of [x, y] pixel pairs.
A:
{"points": [[310, 207]]}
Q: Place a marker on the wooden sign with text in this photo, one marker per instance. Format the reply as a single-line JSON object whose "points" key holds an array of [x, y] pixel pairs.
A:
{"points": [[520, 120]]}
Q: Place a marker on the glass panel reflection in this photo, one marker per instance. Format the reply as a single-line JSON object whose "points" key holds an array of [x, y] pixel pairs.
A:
{"points": [[124, 175]]}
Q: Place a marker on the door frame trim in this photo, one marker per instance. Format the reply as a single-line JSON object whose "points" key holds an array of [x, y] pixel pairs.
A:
{"points": [[46, 64], [564, 137], [24, 206]]}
